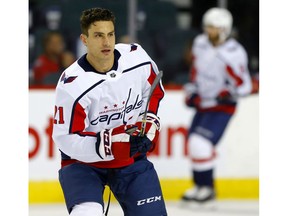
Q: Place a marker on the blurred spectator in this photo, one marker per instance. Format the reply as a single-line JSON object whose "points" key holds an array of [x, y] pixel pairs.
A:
{"points": [[54, 59]]}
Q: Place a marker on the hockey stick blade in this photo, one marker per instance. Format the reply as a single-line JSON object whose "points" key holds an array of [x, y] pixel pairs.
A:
{"points": [[153, 86]]}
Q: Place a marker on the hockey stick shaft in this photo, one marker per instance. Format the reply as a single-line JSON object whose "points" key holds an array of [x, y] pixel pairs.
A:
{"points": [[153, 86]]}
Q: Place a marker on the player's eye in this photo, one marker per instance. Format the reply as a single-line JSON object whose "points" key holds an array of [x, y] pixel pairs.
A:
{"points": [[111, 34], [98, 35]]}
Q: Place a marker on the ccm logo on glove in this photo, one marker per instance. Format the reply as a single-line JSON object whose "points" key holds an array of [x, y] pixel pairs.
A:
{"points": [[107, 143]]}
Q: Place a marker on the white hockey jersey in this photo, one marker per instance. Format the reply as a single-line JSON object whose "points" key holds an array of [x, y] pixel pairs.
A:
{"points": [[88, 101], [218, 68]]}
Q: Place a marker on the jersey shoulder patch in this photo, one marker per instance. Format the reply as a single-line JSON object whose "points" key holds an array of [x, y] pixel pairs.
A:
{"points": [[67, 79], [133, 47], [132, 54], [126, 48]]}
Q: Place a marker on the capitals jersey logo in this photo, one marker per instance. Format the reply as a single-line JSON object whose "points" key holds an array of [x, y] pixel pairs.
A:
{"points": [[67, 79], [109, 115], [133, 47]]}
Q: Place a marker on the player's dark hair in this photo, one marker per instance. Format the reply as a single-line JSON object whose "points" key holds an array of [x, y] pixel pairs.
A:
{"points": [[92, 15]]}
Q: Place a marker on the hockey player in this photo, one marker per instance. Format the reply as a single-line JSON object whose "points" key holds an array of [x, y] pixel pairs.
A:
{"points": [[100, 101], [219, 75]]}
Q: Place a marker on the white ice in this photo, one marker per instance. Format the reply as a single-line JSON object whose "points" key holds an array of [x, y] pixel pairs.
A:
{"points": [[219, 208]]}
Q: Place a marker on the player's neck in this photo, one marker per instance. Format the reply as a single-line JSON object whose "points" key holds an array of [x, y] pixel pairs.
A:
{"points": [[216, 43], [103, 65]]}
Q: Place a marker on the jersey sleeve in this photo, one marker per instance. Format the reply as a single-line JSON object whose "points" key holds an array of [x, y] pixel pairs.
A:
{"points": [[148, 76], [196, 46], [238, 73], [158, 92], [70, 129]]}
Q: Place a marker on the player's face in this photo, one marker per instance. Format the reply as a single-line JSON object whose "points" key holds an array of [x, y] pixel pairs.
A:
{"points": [[101, 40], [213, 34]]}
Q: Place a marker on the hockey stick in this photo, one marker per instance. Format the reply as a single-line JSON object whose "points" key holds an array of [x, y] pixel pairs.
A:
{"points": [[153, 86], [108, 205]]}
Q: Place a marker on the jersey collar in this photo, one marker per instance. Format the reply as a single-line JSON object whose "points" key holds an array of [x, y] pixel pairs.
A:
{"points": [[87, 67]]}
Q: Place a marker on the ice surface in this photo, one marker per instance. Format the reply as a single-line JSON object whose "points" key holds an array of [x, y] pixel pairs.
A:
{"points": [[219, 208]]}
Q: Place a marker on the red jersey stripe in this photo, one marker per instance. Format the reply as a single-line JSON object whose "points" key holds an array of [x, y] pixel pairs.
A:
{"points": [[232, 73], [157, 95], [78, 122]]}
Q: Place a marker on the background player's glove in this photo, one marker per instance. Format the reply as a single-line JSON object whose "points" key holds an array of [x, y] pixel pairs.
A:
{"points": [[193, 101], [115, 142], [224, 97], [147, 142], [255, 84]]}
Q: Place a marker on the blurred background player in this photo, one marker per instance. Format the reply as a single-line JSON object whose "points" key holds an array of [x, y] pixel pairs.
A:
{"points": [[219, 76], [54, 59]]}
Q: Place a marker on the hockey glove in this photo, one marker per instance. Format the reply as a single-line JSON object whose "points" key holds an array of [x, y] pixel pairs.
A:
{"points": [[193, 101], [115, 142], [255, 85], [147, 142], [224, 97], [140, 144]]}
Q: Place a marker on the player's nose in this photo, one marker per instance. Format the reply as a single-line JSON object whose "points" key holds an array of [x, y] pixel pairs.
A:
{"points": [[106, 41]]}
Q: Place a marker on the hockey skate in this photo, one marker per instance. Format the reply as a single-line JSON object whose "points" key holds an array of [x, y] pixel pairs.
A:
{"points": [[199, 197]]}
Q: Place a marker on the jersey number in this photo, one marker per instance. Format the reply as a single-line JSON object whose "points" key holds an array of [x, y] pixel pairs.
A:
{"points": [[58, 111]]}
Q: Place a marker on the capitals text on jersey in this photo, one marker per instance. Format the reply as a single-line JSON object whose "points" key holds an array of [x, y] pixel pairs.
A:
{"points": [[119, 115]]}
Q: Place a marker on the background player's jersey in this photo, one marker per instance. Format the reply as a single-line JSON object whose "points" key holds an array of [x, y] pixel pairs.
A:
{"points": [[215, 69], [88, 101]]}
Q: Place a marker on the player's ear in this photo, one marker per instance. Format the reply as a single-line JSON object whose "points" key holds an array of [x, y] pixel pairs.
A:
{"points": [[83, 38]]}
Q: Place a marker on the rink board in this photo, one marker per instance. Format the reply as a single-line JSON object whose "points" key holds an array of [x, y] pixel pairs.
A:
{"points": [[237, 165], [51, 192]]}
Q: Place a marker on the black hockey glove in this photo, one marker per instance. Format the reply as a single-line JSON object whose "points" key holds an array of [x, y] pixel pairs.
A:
{"points": [[224, 97], [140, 144], [193, 101]]}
